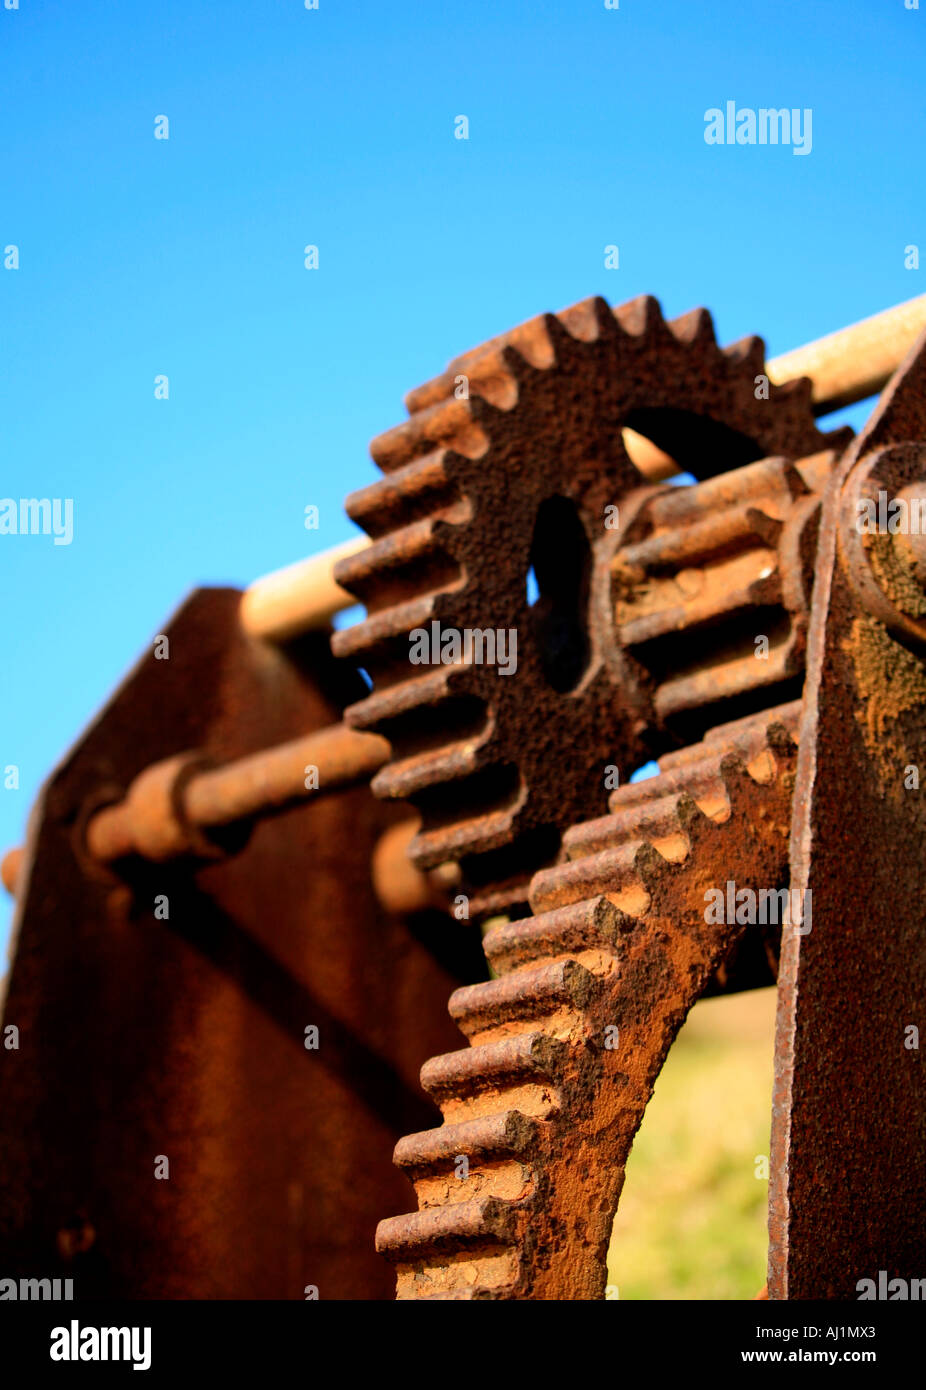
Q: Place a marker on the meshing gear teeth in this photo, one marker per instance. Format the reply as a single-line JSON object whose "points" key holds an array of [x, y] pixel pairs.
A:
{"points": [[509, 460], [704, 574], [518, 1188]]}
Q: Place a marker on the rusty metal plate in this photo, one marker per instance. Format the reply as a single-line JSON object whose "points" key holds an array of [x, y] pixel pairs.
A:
{"points": [[848, 1190], [184, 1038]]}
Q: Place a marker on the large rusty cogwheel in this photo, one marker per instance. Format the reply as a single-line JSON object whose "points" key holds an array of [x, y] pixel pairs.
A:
{"points": [[511, 460], [565, 1044]]}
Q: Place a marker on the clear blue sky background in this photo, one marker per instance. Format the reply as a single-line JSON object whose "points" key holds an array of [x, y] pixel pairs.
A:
{"points": [[335, 127]]}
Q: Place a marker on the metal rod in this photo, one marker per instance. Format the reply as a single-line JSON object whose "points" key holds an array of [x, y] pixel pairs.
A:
{"points": [[9, 869], [845, 367], [289, 601], [401, 888], [276, 777], [170, 802], [856, 362]]}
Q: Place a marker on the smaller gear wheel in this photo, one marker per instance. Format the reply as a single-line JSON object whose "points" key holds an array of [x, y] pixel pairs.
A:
{"points": [[509, 463]]}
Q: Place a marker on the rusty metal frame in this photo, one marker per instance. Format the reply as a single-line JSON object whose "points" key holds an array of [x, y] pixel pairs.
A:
{"points": [[141, 1037]]}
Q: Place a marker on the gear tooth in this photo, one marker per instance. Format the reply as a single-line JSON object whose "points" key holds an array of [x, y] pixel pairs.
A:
{"points": [[534, 341], [588, 320], [527, 994], [734, 773], [747, 352], [750, 731], [448, 423], [798, 389], [641, 316], [577, 879], [655, 818], [483, 1139], [591, 924], [531, 339], [464, 1224], [650, 866], [838, 439], [535, 347], [690, 815], [436, 686], [492, 379], [406, 778], [418, 488], [380, 628], [489, 377], [466, 836], [518, 1060], [443, 386], [429, 393], [519, 366], [780, 740], [588, 837], [419, 545], [694, 329]]}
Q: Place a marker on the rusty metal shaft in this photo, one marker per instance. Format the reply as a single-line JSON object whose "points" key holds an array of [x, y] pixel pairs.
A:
{"points": [[172, 802]]}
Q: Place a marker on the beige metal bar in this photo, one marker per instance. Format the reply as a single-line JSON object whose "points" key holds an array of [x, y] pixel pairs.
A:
{"points": [[845, 367], [858, 361], [286, 602]]}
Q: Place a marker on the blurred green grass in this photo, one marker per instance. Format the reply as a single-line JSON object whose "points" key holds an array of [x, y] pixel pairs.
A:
{"points": [[692, 1218]]}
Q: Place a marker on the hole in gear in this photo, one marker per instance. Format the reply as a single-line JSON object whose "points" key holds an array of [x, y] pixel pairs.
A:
{"points": [[557, 593], [699, 445]]}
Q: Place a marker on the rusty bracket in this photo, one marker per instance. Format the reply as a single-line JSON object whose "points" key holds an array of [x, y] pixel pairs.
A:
{"points": [[848, 1185]]}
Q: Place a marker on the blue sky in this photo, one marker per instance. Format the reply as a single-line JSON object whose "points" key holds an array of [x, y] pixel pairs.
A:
{"points": [[184, 257]]}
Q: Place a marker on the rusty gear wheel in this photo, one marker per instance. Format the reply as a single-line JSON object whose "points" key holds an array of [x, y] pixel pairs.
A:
{"points": [[567, 1041], [510, 461]]}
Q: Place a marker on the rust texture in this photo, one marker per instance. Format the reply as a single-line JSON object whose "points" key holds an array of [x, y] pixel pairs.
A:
{"points": [[848, 1185], [509, 461], [185, 1037]]}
